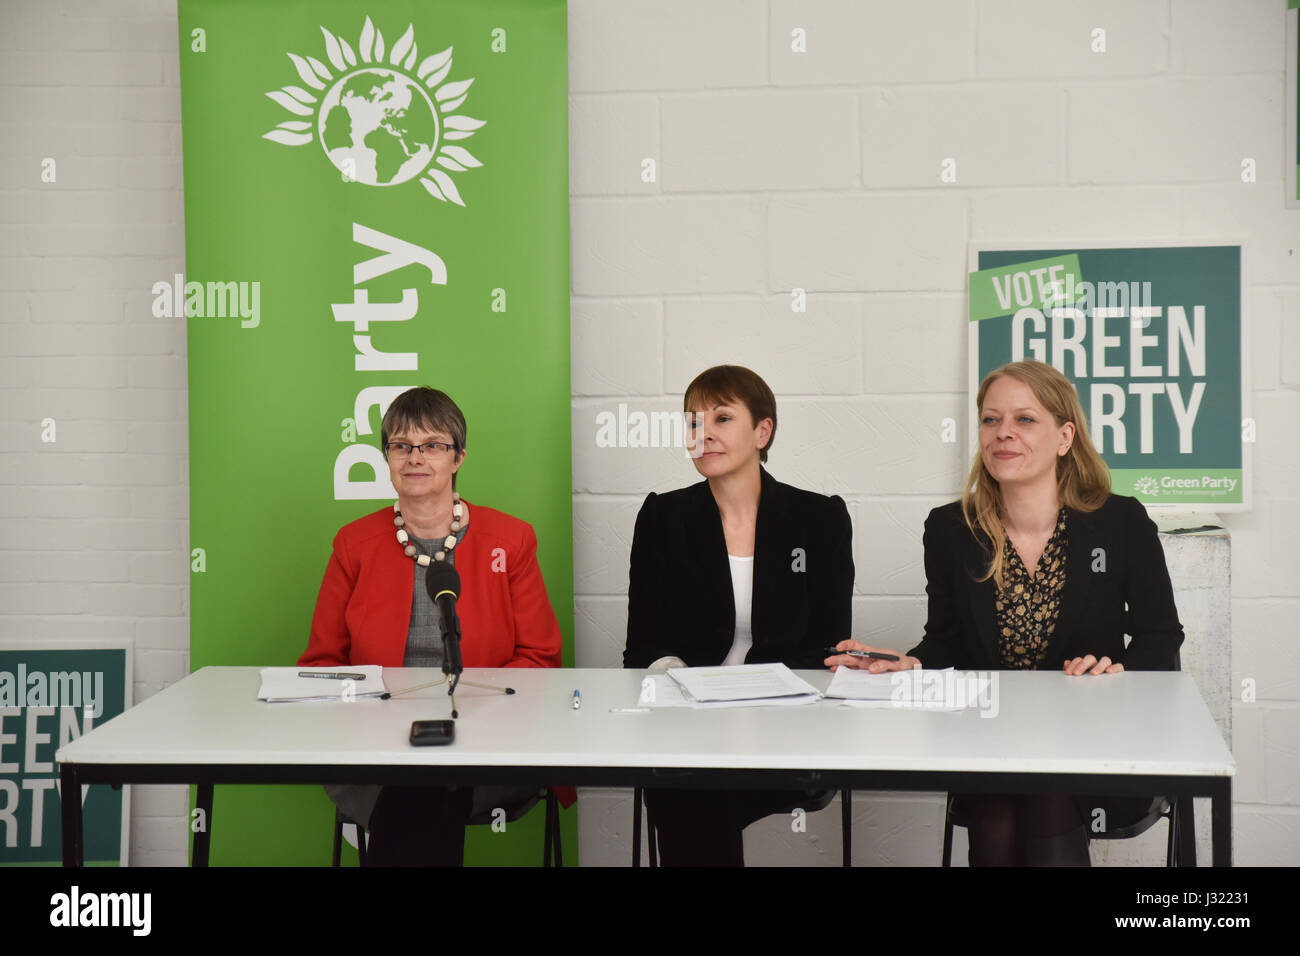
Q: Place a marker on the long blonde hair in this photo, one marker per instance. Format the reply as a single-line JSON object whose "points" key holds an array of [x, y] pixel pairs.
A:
{"points": [[1082, 478]]}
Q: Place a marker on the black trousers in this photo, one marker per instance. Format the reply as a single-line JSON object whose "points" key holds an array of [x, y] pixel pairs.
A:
{"points": [[419, 826], [705, 827]]}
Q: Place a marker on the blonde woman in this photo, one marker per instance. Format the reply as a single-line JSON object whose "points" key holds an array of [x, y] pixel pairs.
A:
{"points": [[1039, 566]]}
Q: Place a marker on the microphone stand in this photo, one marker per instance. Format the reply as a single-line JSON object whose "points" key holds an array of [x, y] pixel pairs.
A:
{"points": [[452, 665]]}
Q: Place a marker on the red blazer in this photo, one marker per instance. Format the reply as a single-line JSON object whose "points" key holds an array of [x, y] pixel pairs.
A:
{"points": [[363, 611]]}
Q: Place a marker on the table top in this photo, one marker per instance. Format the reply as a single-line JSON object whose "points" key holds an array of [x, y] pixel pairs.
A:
{"points": [[1130, 723]]}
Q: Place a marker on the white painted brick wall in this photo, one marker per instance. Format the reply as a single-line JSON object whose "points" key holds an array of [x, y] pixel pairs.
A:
{"points": [[1053, 142], [754, 141], [822, 357], [1033, 39], [1175, 130], [1207, 36], [93, 528], [774, 170], [658, 246], [851, 43], [973, 126]]}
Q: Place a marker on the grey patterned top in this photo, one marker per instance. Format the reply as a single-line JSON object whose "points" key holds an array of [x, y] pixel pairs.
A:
{"points": [[424, 636]]}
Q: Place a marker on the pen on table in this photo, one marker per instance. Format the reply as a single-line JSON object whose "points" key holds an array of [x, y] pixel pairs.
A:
{"points": [[577, 701], [873, 655], [332, 676]]}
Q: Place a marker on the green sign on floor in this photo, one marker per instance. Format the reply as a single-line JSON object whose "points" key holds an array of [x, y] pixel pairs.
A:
{"points": [[51, 693]]}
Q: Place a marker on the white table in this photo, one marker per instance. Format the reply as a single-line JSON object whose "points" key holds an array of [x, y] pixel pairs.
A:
{"points": [[1134, 733]]}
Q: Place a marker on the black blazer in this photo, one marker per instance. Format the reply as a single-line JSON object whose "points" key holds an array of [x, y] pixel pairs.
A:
{"points": [[1116, 583], [680, 599]]}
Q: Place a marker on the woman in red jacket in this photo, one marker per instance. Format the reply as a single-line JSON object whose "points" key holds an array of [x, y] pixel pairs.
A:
{"points": [[373, 607]]}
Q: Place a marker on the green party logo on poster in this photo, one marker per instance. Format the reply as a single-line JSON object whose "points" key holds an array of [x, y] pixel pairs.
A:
{"points": [[373, 117], [1151, 337]]}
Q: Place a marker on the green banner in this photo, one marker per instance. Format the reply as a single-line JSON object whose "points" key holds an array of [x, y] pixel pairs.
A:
{"points": [[1004, 290], [1152, 342], [376, 197], [50, 696]]}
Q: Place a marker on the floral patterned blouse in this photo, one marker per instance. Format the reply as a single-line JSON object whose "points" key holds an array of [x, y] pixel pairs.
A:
{"points": [[1027, 608]]}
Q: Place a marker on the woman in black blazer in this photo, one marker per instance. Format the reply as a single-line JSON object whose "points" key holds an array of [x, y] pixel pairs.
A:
{"points": [[738, 568], [1039, 497]]}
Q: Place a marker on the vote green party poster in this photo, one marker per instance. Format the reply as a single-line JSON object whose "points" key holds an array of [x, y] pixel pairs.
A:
{"points": [[376, 197], [1151, 337], [52, 692]]}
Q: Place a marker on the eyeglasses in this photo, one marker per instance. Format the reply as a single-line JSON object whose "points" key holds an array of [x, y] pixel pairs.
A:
{"points": [[404, 449]]}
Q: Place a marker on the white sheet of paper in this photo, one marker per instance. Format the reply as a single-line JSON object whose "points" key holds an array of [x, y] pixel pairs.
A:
{"points": [[849, 683], [660, 691], [931, 690], [284, 684], [741, 682]]}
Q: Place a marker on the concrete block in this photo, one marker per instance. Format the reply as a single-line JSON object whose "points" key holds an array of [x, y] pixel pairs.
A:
{"points": [[872, 243], [767, 139], [665, 246], [665, 45], [609, 137], [617, 347], [798, 353], [848, 42], [918, 136]]}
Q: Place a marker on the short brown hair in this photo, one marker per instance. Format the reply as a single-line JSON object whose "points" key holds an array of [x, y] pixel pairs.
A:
{"points": [[726, 384], [425, 407]]}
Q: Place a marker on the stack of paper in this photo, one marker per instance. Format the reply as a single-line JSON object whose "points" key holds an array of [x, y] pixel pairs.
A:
{"points": [[321, 683], [944, 689], [743, 685]]}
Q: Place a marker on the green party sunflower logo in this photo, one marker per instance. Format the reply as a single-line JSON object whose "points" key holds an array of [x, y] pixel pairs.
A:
{"points": [[1147, 485], [381, 122]]}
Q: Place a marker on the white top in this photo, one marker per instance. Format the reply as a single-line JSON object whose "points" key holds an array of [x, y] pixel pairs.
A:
{"points": [[1137, 722], [742, 587]]}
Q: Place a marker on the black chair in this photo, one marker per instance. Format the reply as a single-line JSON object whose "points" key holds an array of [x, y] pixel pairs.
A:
{"points": [[551, 845], [1180, 847], [817, 800]]}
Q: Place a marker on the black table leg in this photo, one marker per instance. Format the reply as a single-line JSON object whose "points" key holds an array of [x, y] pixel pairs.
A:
{"points": [[636, 826], [1221, 822], [70, 807], [548, 835], [846, 825], [1186, 829], [556, 836], [203, 838]]}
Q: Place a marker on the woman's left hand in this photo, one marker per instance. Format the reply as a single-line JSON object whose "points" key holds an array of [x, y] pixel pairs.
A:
{"points": [[1090, 665]]}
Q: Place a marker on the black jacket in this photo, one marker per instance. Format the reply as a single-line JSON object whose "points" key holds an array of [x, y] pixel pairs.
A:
{"points": [[680, 599], [1116, 583]]}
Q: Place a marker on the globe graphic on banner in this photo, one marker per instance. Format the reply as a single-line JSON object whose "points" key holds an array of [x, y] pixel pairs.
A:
{"points": [[378, 127]]}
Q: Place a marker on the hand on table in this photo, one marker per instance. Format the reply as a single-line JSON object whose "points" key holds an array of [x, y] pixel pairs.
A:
{"points": [[904, 663], [1090, 665]]}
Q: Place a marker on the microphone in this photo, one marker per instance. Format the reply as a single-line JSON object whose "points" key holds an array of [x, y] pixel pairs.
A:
{"points": [[443, 584]]}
